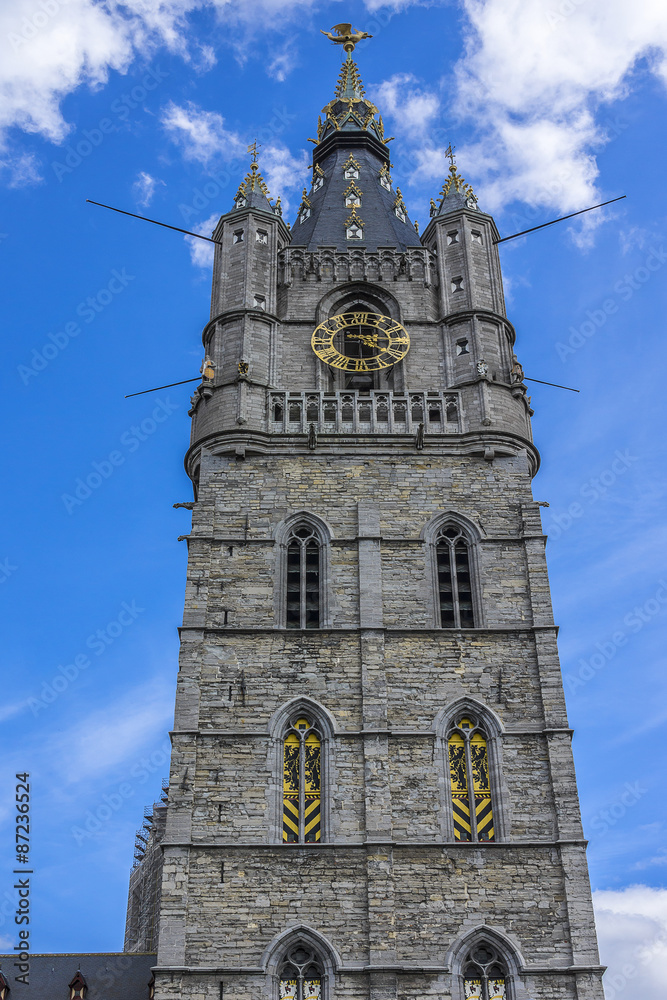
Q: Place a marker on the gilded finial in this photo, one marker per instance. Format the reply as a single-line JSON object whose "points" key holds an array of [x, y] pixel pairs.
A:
{"points": [[252, 149], [450, 153], [416, 227], [345, 36]]}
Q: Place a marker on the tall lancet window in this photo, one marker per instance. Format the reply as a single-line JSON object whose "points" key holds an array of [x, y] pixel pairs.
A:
{"points": [[454, 579], [303, 578], [302, 784], [484, 975], [301, 975], [470, 783]]}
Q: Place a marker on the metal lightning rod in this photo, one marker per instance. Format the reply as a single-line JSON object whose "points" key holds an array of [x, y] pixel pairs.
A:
{"points": [[143, 218], [554, 384], [170, 386], [554, 221]]}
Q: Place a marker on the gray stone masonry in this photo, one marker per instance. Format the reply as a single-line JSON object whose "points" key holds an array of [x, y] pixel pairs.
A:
{"points": [[389, 899]]}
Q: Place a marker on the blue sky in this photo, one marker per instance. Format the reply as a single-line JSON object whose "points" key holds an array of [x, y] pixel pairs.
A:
{"points": [[553, 105]]}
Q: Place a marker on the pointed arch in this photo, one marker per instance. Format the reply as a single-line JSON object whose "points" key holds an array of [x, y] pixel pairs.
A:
{"points": [[372, 296], [485, 963], [463, 705], [300, 933], [301, 761], [298, 706], [453, 553], [474, 797], [360, 297], [301, 595], [300, 964]]}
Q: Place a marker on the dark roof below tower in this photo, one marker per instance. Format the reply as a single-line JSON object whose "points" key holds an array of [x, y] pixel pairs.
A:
{"points": [[108, 976]]}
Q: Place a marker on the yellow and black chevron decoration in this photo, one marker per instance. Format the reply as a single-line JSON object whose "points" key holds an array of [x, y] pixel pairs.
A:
{"points": [[291, 769], [464, 828], [292, 784], [458, 774], [313, 786], [479, 760]]}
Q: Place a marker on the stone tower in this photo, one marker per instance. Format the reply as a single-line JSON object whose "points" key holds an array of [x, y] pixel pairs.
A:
{"points": [[372, 793]]}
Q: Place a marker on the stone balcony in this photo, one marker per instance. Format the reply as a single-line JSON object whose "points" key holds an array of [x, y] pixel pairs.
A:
{"points": [[356, 412]]}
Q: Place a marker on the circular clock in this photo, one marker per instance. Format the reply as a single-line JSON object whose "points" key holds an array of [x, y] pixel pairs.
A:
{"points": [[360, 341]]}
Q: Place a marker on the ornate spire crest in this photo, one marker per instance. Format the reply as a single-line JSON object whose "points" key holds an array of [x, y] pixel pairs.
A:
{"points": [[350, 110], [454, 186], [252, 182]]}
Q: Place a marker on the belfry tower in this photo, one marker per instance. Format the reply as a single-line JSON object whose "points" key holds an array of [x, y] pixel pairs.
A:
{"points": [[372, 793]]}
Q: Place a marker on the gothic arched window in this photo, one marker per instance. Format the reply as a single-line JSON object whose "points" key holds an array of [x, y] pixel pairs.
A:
{"points": [[301, 975], [455, 595], [302, 785], [484, 974], [468, 757], [303, 578]]}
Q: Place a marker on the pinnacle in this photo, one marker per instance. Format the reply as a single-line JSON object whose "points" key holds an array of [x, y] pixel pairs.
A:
{"points": [[349, 84]]}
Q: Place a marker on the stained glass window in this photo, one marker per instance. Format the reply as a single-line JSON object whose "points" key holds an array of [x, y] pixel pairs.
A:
{"points": [[469, 780], [303, 579], [302, 784], [301, 975], [454, 579], [484, 975]]}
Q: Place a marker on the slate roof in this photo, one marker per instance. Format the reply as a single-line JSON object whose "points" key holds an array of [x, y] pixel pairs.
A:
{"points": [[328, 212], [109, 976]]}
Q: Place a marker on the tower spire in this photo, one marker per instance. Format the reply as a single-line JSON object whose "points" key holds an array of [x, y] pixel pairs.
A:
{"points": [[349, 110], [455, 192]]}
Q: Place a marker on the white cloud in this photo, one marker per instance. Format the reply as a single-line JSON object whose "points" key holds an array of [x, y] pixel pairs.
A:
{"points": [[49, 49], [632, 932], [201, 252], [143, 188], [536, 83], [46, 54], [201, 135], [411, 107], [114, 735], [284, 173], [21, 169]]}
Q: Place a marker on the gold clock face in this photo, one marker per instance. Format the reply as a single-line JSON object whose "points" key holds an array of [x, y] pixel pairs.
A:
{"points": [[360, 341]]}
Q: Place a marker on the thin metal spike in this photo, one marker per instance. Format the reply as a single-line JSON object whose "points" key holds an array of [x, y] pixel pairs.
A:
{"points": [[554, 384], [554, 221], [158, 387], [144, 218]]}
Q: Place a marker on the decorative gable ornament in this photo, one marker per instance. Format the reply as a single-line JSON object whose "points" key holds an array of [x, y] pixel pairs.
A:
{"points": [[318, 177], [385, 177], [400, 210], [304, 207], [351, 168], [352, 196], [77, 987], [354, 226]]}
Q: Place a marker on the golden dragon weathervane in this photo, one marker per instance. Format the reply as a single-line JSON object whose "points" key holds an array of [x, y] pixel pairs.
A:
{"points": [[345, 36]]}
